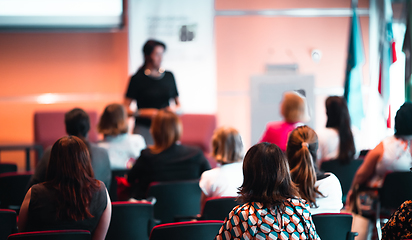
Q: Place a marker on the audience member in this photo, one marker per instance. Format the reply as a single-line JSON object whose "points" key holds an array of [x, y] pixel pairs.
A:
{"points": [[70, 197], [271, 209], [321, 190], [294, 111], [399, 225], [121, 146], [224, 180], [78, 124], [166, 160], [336, 141]]}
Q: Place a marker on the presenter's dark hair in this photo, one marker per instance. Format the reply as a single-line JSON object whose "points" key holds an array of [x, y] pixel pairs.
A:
{"points": [[339, 118], [70, 174], [266, 177], [403, 120], [148, 48], [77, 123]]}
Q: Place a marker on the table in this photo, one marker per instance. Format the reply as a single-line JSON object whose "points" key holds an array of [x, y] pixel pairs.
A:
{"points": [[23, 146]]}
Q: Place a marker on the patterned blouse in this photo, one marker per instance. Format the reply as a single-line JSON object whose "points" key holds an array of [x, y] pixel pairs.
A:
{"points": [[399, 225], [252, 221]]}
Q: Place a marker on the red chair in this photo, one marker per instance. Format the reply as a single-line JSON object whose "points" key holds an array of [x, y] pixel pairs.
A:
{"points": [[200, 230], [7, 223], [52, 235], [130, 221], [49, 126], [13, 188], [334, 226], [218, 208]]}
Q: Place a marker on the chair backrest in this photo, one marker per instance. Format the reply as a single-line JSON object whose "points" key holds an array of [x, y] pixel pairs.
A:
{"points": [[344, 172], [52, 235], [200, 230], [397, 188], [218, 208], [13, 188], [8, 167], [130, 221], [49, 126], [7, 223], [333, 226], [113, 184], [173, 199], [198, 131]]}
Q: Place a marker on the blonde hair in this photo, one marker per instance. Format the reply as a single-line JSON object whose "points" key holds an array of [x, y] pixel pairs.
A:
{"points": [[166, 129], [294, 107], [113, 120], [227, 146]]}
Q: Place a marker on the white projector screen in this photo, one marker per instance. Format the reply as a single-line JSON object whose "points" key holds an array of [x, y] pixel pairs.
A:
{"points": [[61, 14]]}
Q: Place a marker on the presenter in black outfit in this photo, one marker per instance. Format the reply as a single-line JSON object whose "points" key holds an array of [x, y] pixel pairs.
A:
{"points": [[152, 88]]}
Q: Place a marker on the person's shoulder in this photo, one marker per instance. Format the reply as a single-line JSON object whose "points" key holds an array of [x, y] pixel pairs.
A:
{"points": [[136, 138], [95, 149]]}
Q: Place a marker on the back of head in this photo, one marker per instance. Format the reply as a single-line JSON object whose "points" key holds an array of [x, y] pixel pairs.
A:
{"points": [[70, 173], [227, 145], [294, 107], [113, 120], [403, 119], [266, 177], [77, 123], [166, 129], [339, 118], [301, 153]]}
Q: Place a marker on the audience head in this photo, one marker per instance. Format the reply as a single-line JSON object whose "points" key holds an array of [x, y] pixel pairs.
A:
{"points": [[301, 153], [266, 177], [403, 120], [153, 53], [227, 145], [339, 118], [77, 123], [113, 121], [294, 107], [70, 173], [166, 129]]}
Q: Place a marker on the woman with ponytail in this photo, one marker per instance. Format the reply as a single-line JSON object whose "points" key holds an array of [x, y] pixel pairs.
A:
{"points": [[321, 190], [336, 141]]}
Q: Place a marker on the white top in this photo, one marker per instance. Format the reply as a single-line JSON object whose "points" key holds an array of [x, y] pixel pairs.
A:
{"points": [[396, 158], [332, 192], [328, 139], [122, 149], [222, 181]]}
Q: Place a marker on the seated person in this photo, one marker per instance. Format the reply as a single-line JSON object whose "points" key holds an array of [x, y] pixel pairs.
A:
{"points": [[70, 197], [166, 160], [399, 225], [294, 111], [224, 180], [121, 146], [321, 190], [78, 124], [272, 208]]}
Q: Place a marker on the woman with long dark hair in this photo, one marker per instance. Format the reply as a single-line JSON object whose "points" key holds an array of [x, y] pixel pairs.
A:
{"points": [[272, 208], [152, 87], [336, 141], [70, 198], [321, 190]]}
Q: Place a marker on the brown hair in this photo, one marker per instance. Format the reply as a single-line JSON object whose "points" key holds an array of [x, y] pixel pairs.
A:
{"points": [[113, 120], [301, 153], [266, 177], [294, 107], [227, 145], [70, 173], [166, 129]]}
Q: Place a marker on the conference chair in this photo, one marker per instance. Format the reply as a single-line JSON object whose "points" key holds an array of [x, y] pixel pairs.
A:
{"points": [[52, 235], [218, 208], [130, 221], [334, 226], [175, 199], [13, 188], [8, 167], [200, 230], [113, 185], [396, 188], [344, 172], [7, 223]]}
